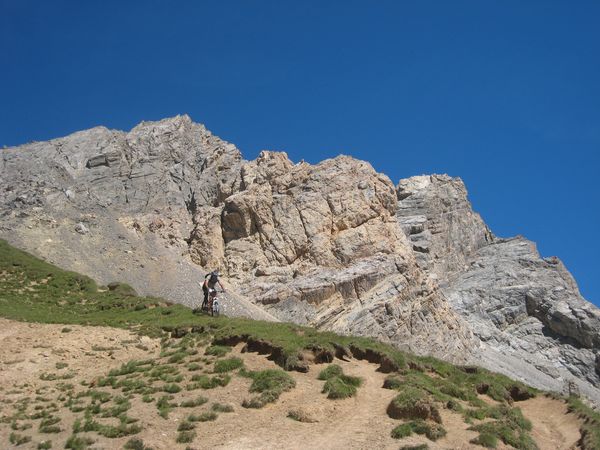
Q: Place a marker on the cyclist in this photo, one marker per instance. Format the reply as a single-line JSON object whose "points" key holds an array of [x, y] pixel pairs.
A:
{"points": [[210, 281]]}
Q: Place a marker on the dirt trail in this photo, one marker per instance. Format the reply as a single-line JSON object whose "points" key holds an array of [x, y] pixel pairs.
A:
{"points": [[29, 350], [359, 422], [553, 427]]}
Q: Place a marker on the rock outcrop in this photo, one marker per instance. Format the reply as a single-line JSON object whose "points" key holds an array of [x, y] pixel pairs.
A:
{"points": [[526, 311], [334, 245], [443, 229]]}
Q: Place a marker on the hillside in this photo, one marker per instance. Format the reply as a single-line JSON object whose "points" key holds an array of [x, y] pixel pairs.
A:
{"points": [[334, 245], [166, 377]]}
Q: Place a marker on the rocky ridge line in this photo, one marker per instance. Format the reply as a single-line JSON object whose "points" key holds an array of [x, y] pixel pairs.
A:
{"points": [[334, 245]]}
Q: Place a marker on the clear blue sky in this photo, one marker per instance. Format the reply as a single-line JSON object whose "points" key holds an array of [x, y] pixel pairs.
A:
{"points": [[505, 94]]}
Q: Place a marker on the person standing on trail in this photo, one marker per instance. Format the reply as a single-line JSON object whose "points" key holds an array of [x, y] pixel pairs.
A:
{"points": [[210, 281]]}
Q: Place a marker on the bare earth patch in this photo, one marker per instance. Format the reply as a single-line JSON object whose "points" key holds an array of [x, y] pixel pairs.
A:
{"points": [[30, 352]]}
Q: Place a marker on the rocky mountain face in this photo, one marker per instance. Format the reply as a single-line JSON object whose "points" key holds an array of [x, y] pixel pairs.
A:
{"points": [[333, 245], [526, 311]]}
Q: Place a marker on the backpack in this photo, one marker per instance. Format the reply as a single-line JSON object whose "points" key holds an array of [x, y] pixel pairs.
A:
{"points": [[213, 279]]}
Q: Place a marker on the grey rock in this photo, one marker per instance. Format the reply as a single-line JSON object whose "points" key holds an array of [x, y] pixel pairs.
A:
{"points": [[334, 245], [81, 228], [526, 311], [437, 217]]}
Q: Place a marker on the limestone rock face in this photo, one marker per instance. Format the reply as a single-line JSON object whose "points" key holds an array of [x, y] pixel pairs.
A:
{"points": [[161, 205], [120, 206], [443, 229], [530, 306], [320, 245], [334, 245], [526, 311]]}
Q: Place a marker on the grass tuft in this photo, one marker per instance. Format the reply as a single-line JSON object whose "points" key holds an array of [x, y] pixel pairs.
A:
{"points": [[206, 382], [432, 430], [590, 429], [217, 350], [204, 417], [221, 408], [338, 385], [78, 442], [135, 444], [227, 365], [191, 403], [18, 439], [270, 384]]}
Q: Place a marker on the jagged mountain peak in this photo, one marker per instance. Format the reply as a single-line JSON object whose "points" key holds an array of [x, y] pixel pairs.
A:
{"points": [[334, 244]]}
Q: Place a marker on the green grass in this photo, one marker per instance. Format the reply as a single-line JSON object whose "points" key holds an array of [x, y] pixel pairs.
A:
{"points": [[206, 382], [270, 384], [590, 429], [217, 350], [78, 442], [330, 371], [44, 445], [164, 406], [186, 426], [432, 430], [508, 425], [171, 388], [434, 383], [486, 440], [413, 403], [219, 407], [96, 396], [204, 417], [135, 444], [403, 430], [69, 298], [53, 376], [18, 439], [57, 296], [125, 427], [338, 385], [131, 367], [192, 367], [192, 403], [227, 365], [48, 425]]}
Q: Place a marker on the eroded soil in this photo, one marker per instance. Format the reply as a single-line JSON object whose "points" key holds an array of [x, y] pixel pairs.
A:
{"points": [[39, 361]]}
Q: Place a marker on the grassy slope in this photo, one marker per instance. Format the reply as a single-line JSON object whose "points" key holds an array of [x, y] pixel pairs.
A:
{"points": [[35, 291]]}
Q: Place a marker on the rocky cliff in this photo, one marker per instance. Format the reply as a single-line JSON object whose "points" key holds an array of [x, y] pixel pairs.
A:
{"points": [[526, 311], [335, 245]]}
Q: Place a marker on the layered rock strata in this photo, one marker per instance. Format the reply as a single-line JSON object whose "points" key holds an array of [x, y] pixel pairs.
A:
{"points": [[333, 245], [527, 312]]}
